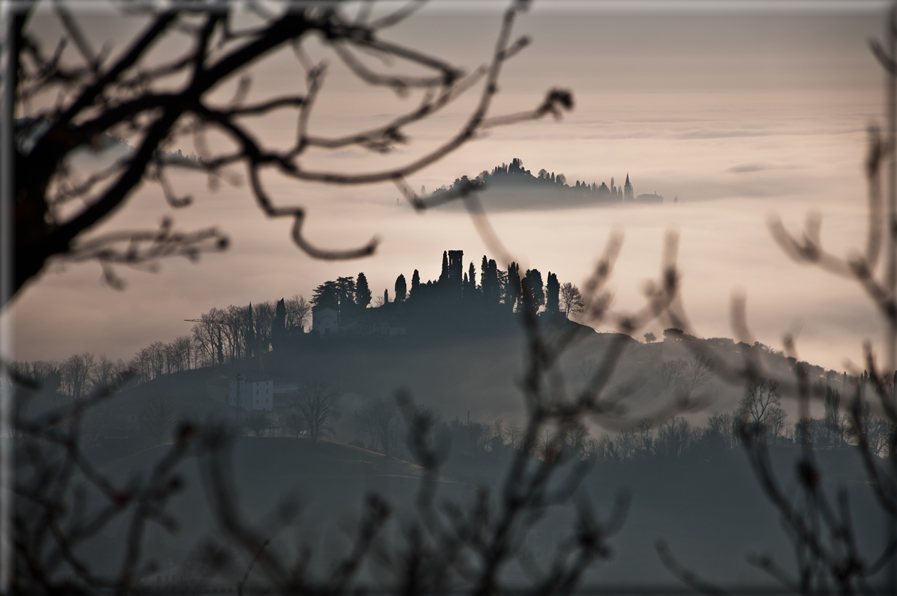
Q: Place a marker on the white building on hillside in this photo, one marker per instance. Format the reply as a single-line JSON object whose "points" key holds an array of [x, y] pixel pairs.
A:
{"points": [[252, 392]]}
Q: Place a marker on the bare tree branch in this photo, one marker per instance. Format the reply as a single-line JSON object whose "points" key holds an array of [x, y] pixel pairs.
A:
{"points": [[128, 92]]}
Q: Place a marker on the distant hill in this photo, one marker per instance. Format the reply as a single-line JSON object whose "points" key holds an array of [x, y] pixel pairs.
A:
{"points": [[512, 187], [475, 371]]}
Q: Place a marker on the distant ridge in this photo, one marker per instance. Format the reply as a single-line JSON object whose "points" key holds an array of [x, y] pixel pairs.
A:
{"points": [[511, 186]]}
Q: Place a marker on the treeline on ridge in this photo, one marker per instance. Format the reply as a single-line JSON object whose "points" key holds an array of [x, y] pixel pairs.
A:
{"points": [[515, 175]]}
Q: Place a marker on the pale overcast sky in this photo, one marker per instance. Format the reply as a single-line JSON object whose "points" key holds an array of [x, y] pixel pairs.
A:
{"points": [[738, 109]]}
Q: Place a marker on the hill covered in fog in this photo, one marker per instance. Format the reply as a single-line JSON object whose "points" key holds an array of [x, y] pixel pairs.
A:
{"points": [[510, 187]]}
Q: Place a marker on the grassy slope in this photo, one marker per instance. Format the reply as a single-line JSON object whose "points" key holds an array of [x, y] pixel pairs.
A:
{"points": [[709, 508], [328, 481]]}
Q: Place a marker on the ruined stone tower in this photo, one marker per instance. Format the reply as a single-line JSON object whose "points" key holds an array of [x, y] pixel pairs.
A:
{"points": [[456, 266]]}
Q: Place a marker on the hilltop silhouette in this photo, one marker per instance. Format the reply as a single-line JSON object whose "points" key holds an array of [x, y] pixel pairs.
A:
{"points": [[511, 186]]}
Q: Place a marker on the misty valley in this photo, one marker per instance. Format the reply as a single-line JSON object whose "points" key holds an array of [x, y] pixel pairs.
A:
{"points": [[287, 419]]}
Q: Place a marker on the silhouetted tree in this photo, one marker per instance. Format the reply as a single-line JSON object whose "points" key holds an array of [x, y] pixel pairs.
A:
{"points": [[721, 430], [179, 354], [208, 335], [532, 288], [875, 431], [106, 372], [400, 288], [673, 333], [232, 330], [650, 337], [571, 299], [338, 295], [362, 292], [553, 294], [278, 331], [76, 374], [263, 320], [415, 283], [345, 291], [444, 273], [674, 437], [761, 407], [512, 288], [298, 310], [317, 405], [326, 295], [490, 284]]}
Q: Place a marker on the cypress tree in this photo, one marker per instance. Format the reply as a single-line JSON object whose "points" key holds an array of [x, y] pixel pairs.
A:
{"points": [[362, 291], [278, 331], [532, 288], [491, 286], [512, 291], [553, 298], [401, 288], [415, 282], [445, 272]]}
